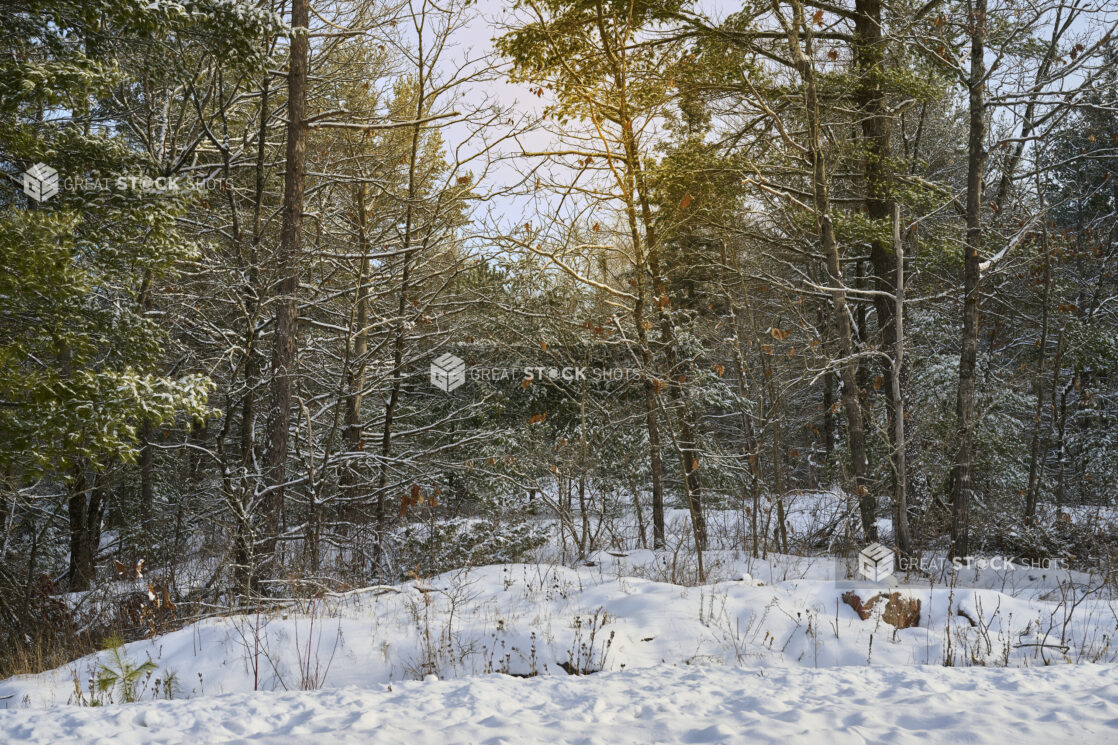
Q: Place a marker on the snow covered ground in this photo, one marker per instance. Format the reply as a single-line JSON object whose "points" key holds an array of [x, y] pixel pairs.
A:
{"points": [[627, 646], [898, 706], [620, 613]]}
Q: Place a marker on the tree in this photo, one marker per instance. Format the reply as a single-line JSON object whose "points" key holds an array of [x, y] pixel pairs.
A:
{"points": [[80, 370], [586, 53]]}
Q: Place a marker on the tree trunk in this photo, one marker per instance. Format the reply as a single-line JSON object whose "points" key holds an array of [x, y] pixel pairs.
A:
{"points": [[752, 444], [651, 418], [95, 513], [284, 340], [900, 470], [400, 330], [355, 371], [802, 60], [651, 382], [1061, 447], [1035, 466], [828, 414], [147, 477], [964, 406], [869, 63], [80, 574]]}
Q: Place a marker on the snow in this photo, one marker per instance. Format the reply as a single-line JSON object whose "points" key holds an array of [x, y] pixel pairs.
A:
{"points": [[763, 650], [677, 704], [625, 611]]}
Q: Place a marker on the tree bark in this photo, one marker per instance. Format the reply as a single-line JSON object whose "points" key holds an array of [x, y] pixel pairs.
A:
{"points": [[869, 64], [900, 470], [651, 414], [80, 573], [1033, 490], [285, 333], [964, 405]]}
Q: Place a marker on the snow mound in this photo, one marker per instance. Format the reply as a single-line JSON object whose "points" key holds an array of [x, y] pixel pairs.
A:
{"points": [[532, 620]]}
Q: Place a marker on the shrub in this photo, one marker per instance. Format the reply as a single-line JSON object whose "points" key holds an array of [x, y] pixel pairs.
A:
{"points": [[436, 547]]}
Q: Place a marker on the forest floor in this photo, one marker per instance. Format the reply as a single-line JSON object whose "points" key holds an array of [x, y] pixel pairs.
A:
{"points": [[623, 646]]}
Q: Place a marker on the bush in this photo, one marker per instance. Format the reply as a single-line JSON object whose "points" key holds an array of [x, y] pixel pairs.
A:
{"points": [[436, 547], [1084, 543]]}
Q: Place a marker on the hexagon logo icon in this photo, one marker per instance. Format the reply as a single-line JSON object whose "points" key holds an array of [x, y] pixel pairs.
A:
{"points": [[448, 372], [875, 562], [40, 182]]}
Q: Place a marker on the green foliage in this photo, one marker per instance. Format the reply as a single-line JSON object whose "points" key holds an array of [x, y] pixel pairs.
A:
{"points": [[79, 353], [859, 228], [572, 48], [120, 674], [427, 549]]}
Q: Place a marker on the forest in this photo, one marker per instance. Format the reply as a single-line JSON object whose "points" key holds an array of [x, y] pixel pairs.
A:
{"points": [[305, 296]]}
